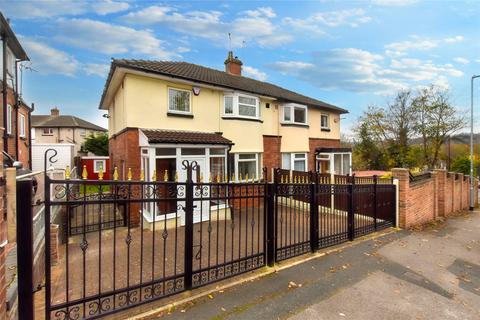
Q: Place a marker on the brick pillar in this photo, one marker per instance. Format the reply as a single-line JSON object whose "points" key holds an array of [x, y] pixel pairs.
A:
{"points": [[435, 194], [403, 177], [440, 186], [452, 195]]}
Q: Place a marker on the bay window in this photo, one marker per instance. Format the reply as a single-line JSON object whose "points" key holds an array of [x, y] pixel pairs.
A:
{"points": [[242, 106], [294, 161], [295, 114], [179, 101]]}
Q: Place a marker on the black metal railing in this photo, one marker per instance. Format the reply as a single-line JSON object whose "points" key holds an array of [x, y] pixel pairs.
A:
{"points": [[176, 236]]}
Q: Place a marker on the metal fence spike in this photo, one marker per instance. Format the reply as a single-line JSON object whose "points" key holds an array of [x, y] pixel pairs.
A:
{"points": [[84, 173], [67, 173], [129, 174], [115, 174]]}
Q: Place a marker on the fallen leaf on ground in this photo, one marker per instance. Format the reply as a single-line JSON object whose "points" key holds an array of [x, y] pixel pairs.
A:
{"points": [[223, 309], [292, 284], [210, 296], [341, 314]]}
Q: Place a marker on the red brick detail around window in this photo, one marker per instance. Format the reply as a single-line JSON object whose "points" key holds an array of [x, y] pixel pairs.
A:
{"points": [[272, 158], [315, 143]]}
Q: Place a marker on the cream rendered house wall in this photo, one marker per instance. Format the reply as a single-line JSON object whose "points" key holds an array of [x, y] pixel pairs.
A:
{"points": [[64, 135], [142, 102]]}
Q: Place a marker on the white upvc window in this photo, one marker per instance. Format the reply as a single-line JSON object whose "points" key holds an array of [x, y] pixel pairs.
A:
{"points": [[22, 125], [47, 131], [294, 161], [179, 101], [99, 165], [324, 121], [9, 119], [295, 114], [83, 132], [247, 164], [241, 106]]}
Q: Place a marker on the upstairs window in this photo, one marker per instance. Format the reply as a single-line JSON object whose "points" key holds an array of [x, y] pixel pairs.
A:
{"points": [[9, 119], [295, 114], [179, 101], [22, 126], [47, 132], [83, 132], [242, 106], [325, 121]]}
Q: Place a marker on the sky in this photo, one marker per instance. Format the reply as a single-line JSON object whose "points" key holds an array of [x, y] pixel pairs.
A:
{"points": [[348, 53]]}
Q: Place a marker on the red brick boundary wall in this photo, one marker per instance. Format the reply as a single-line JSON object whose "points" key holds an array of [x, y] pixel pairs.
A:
{"points": [[426, 200], [3, 241]]}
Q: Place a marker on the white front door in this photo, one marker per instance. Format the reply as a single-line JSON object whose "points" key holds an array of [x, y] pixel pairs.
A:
{"points": [[200, 207]]}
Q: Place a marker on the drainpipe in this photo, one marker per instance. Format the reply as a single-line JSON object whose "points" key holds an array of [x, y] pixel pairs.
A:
{"points": [[229, 174], [4, 92], [30, 136], [17, 105]]}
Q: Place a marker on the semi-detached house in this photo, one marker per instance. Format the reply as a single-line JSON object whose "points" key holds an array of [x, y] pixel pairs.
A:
{"points": [[161, 113]]}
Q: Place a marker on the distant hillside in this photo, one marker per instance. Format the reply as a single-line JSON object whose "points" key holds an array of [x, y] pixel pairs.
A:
{"points": [[461, 138]]}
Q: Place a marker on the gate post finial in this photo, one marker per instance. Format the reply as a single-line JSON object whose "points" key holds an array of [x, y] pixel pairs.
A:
{"points": [[84, 173]]}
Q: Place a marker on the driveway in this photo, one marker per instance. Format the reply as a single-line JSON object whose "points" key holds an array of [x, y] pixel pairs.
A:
{"points": [[429, 274]]}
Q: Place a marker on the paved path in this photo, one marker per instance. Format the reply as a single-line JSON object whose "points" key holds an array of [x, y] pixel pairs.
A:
{"points": [[430, 274]]}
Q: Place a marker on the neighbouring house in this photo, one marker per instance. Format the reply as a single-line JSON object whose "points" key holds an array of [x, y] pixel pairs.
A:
{"points": [[61, 129], [15, 113], [162, 113]]}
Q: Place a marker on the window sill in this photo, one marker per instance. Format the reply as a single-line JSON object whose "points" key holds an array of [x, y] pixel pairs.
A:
{"points": [[181, 115], [295, 125], [242, 119], [326, 129]]}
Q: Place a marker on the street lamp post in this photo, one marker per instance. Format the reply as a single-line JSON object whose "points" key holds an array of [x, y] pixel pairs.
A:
{"points": [[472, 197]]}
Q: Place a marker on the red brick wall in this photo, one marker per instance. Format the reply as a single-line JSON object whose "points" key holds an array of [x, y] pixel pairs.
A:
{"points": [[315, 143], [426, 200], [124, 152], [272, 157], [14, 141]]}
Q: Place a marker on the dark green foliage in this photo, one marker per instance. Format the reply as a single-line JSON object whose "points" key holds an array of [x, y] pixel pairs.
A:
{"points": [[96, 144]]}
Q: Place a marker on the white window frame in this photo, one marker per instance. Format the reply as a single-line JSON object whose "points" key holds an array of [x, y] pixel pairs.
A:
{"points": [[11, 63], [293, 159], [189, 101], [83, 132], [330, 157], [291, 107], [328, 121], [104, 163], [22, 125], [50, 132], [236, 107], [237, 160], [9, 119]]}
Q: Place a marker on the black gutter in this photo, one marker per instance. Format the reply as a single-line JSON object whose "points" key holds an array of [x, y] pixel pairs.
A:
{"points": [[4, 92], [116, 64]]}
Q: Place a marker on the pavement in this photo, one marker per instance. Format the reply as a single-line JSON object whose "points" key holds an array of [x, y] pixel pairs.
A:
{"points": [[433, 273]]}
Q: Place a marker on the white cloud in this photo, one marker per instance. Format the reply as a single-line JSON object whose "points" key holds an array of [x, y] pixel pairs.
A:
{"points": [[454, 39], [48, 60], [57, 8], [461, 60], [418, 43], [96, 69], [316, 22], [254, 73], [111, 39], [109, 6], [358, 70], [394, 3], [249, 26]]}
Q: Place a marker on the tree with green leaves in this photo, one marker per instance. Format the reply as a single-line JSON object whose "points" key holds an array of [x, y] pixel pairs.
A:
{"points": [[96, 144], [435, 120]]}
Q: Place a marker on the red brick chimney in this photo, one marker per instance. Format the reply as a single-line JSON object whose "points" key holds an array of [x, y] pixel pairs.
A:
{"points": [[55, 112], [233, 65]]}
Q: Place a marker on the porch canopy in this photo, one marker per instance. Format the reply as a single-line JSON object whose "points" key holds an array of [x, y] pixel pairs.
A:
{"points": [[185, 137]]}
